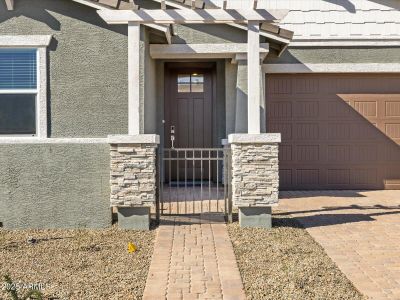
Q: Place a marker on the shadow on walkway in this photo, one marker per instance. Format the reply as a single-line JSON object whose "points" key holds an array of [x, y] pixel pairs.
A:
{"points": [[318, 220]]}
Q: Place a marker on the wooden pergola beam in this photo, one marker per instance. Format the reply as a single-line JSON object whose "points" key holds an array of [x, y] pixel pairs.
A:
{"points": [[92, 4], [10, 4], [192, 51], [255, 4], [163, 4], [163, 28], [191, 16]]}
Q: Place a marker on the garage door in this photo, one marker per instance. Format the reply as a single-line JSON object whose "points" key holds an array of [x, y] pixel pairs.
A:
{"points": [[338, 131]]}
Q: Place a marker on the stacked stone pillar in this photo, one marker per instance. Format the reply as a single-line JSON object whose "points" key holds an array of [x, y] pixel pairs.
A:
{"points": [[255, 177], [133, 178]]}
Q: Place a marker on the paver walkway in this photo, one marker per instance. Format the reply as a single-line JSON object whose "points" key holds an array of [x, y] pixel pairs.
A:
{"points": [[193, 259], [359, 230]]}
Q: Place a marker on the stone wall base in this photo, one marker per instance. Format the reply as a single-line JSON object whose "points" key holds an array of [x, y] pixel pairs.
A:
{"points": [[255, 172], [133, 179], [259, 217]]}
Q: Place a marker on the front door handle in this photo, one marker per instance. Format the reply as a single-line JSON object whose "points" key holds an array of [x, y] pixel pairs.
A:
{"points": [[172, 136]]}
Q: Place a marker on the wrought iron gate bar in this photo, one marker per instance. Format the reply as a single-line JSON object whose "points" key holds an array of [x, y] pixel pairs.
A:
{"points": [[186, 174]]}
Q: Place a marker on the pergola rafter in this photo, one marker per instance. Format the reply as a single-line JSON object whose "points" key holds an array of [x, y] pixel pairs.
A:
{"points": [[10, 4], [191, 16], [277, 34]]}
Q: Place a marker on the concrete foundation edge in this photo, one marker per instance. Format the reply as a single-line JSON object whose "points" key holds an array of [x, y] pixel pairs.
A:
{"points": [[255, 217], [134, 218]]}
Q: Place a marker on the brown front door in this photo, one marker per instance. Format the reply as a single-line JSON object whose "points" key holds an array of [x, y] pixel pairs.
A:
{"points": [[188, 114]]}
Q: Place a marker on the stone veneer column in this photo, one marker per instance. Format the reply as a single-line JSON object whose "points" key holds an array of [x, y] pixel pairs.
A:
{"points": [[255, 177], [133, 178]]}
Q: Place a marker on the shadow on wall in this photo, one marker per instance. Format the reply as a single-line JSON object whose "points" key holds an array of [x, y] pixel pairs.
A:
{"points": [[43, 11]]}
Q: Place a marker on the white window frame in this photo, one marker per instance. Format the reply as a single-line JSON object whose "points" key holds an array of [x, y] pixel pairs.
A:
{"points": [[40, 43]]}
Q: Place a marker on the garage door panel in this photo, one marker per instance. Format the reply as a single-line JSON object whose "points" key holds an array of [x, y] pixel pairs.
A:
{"points": [[285, 153], [365, 153], [308, 85], [391, 153], [307, 153], [364, 176], [336, 176], [306, 131], [284, 128], [338, 131], [307, 177], [285, 178], [338, 153], [364, 131], [280, 110], [339, 109], [392, 108], [279, 86], [306, 109]]}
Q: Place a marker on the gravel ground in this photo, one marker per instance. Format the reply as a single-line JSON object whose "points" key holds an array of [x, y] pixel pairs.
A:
{"points": [[77, 264], [286, 263]]}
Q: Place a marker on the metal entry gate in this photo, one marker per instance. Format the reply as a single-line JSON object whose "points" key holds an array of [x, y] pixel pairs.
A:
{"points": [[194, 181]]}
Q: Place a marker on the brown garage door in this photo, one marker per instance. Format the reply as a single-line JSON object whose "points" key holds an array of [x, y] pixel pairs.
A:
{"points": [[338, 131]]}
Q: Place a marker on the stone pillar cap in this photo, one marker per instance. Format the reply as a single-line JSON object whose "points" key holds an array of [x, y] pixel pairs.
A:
{"points": [[262, 138], [134, 139]]}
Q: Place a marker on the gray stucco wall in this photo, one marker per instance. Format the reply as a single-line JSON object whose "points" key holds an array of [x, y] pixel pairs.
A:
{"points": [[67, 185], [55, 186], [335, 55]]}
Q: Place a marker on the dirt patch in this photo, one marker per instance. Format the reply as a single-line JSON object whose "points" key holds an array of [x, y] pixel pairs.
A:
{"points": [[286, 263], [77, 264]]}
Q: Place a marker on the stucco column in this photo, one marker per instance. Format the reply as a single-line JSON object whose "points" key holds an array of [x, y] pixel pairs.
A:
{"points": [[133, 182], [255, 177], [134, 118], [241, 97], [253, 77]]}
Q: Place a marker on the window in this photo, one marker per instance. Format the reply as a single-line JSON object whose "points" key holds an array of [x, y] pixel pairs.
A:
{"points": [[23, 85], [184, 83], [18, 91], [191, 83]]}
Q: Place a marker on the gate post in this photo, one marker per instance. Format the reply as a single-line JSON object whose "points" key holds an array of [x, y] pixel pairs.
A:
{"points": [[133, 182], [255, 177]]}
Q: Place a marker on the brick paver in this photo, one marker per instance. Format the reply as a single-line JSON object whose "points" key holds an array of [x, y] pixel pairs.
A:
{"points": [[193, 259], [359, 230]]}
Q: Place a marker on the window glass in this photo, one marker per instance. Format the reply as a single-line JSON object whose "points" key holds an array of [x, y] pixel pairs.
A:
{"points": [[191, 83], [184, 83], [18, 69], [17, 114], [197, 83]]}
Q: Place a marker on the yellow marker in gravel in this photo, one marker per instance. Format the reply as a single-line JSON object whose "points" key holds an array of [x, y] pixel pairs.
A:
{"points": [[131, 247]]}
